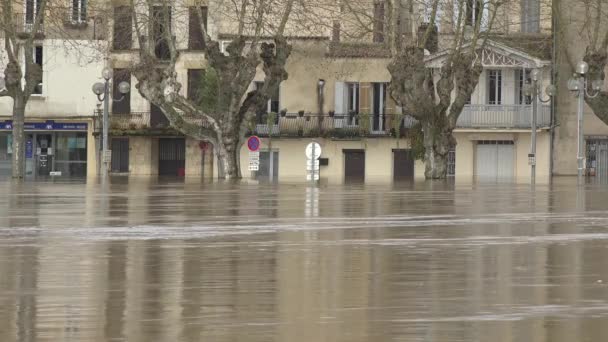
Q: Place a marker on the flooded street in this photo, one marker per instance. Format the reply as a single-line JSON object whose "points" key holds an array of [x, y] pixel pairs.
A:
{"points": [[142, 260]]}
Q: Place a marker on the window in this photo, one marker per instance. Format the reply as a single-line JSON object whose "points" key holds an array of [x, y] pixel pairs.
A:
{"points": [[473, 11], [32, 8], [494, 87], [273, 104], [79, 11], [38, 59], [379, 22], [123, 28], [530, 16], [522, 77], [195, 85], [161, 29], [196, 40], [335, 32], [352, 106], [353, 98], [123, 106]]}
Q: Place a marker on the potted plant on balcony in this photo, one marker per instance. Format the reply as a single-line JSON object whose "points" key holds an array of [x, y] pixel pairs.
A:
{"points": [[301, 113], [331, 113], [364, 123], [283, 113]]}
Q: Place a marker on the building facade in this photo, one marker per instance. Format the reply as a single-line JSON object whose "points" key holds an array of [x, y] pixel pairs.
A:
{"points": [[336, 95], [59, 124]]}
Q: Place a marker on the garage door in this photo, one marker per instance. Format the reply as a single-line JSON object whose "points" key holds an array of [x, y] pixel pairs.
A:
{"points": [[495, 159]]}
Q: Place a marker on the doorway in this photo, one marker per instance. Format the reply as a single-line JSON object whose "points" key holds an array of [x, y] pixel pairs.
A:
{"points": [[172, 157], [120, 155], [354, 166], [403, 165]]}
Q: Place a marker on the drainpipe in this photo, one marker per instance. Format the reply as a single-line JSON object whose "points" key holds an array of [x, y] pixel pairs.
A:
{"points": [[553, 98]]}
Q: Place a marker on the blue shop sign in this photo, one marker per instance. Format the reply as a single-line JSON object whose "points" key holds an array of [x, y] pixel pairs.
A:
{"points": [[46, 126]]}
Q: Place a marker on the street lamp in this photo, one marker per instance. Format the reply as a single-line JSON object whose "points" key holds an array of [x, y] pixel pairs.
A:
{"points": [[102, 90], [533, 90], [579, 85]]}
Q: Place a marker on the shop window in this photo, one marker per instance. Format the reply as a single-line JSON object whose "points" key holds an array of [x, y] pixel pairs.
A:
{"points": [[71, 154]]}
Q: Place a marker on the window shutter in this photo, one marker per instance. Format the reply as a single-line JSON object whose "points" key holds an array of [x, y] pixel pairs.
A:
{"points": [[389, 108], [195, 84], [365, 98], [196, 39], [340, 98], [123, 28]]}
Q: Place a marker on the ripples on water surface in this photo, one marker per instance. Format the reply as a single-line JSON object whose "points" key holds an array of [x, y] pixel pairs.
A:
{"points": [[174, 261]]}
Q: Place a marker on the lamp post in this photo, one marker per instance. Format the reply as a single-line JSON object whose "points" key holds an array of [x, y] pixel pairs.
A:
{"points": [[579, 85], [102, 90], [533, 90]]}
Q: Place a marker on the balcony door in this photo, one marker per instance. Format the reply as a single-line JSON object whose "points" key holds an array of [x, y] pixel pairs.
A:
{"points": [[494, 87]]}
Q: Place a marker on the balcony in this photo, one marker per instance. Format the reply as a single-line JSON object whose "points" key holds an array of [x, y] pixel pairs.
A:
{"points": [[340, 126], [503, 116], [335, 126], [139, 123], [24, 27]]}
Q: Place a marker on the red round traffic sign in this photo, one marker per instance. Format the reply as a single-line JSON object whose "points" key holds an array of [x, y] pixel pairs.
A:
{"points": [[253, 144]]}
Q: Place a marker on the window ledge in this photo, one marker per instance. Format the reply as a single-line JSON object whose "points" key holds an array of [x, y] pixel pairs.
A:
{"points": [[40, 97]]}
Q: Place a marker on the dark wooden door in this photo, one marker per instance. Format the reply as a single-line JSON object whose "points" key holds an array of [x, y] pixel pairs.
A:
{"points": [[403, 165], [171, 157], [354, 166], [120, 155]]}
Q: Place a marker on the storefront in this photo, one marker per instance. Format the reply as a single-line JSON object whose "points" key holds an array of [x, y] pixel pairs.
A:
{"points": [[50, 147]]}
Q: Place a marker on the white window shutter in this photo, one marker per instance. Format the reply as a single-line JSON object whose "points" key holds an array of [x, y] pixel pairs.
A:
{"points": [[340, 98]]}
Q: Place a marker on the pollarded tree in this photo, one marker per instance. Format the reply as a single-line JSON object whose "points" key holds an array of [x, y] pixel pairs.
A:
{"points": [[407, 30], [220, 115], [582, 25]]}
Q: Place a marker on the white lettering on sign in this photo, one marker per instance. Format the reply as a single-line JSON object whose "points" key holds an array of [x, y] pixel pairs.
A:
{"points": [[254, 161]]}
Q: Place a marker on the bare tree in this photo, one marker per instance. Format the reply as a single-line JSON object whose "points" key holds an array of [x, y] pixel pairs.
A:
{"points": [[222, 112], [583, 26], [407, 31], [21, 74], [22, 25]]}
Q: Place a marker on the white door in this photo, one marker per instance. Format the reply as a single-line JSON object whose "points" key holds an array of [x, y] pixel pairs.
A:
{"points": [[495, 159]]}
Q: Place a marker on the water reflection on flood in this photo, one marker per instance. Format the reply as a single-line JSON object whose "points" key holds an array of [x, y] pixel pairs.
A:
{"points": [[140, 260]]}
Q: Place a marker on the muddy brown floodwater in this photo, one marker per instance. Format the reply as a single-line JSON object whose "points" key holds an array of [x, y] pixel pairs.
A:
{"points": [[143, 260]]}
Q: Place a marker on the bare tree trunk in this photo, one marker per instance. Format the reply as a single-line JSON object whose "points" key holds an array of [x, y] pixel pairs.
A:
{"points": [[437, 145], [18, 137], [228, 158]]}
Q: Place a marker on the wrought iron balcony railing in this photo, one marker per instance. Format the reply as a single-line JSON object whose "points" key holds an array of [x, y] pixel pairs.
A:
{"points": [[330, 125], [347, 125], [24, 25]]}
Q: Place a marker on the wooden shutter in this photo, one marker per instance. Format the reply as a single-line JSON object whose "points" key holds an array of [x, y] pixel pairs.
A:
{"points": [[196, 39], [123, 28], [365, 97], [379, 22], [123, 106]]}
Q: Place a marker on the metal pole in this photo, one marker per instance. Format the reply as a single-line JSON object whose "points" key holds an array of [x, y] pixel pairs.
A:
{"points": [[106, 104], [581, 137], [313, 162], [533, 138]]}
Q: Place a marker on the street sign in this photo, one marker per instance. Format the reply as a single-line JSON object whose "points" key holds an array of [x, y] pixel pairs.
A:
{"points": [[107, 157], [311, 177], [254, 161], [253, 144], [313, 150]]}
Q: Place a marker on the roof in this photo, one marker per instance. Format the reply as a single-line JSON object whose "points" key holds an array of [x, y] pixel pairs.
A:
{"points": [[537, 45]]}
